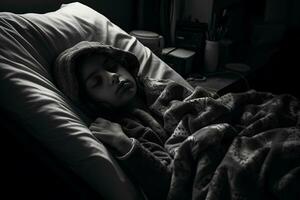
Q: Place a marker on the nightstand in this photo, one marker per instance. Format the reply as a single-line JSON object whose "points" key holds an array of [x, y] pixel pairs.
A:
{"points": [[222, 81]]}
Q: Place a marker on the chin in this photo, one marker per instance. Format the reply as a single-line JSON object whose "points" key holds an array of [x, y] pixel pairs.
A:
{"points": [[127, 101]]}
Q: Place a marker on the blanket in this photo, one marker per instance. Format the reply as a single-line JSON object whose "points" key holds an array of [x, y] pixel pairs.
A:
{"points": [[236, 146]]}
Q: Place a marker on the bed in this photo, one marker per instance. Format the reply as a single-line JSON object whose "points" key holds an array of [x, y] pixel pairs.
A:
{"points": [[29, 44], [262, 147]]}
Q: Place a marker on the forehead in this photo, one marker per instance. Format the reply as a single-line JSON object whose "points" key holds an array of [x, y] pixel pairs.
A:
{"points": [[91, 63]]}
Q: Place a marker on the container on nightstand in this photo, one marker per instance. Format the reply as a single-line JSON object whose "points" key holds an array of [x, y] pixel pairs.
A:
{"points": [[181, 60]]}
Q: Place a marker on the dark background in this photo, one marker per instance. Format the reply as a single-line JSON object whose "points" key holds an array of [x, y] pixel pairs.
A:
{"points": [[265, 35]]}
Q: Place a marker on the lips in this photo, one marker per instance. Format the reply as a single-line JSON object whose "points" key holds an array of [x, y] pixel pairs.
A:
{"points": [[123, 86]]}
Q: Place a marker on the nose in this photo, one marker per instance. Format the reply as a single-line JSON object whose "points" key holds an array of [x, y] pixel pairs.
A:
{"points": [[114, 78]]}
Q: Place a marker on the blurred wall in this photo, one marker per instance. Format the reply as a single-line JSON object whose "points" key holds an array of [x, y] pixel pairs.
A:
{"points": [[199, 9]]}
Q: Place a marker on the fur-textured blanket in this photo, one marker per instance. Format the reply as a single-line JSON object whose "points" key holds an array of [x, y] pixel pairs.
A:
{"points": [[237, 146]]}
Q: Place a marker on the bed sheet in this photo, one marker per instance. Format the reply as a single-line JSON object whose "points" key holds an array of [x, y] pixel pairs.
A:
{"points": [[236, 146]]}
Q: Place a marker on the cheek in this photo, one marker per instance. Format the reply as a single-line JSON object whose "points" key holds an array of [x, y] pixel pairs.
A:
{"points": [[97, 94], [131, 93]]}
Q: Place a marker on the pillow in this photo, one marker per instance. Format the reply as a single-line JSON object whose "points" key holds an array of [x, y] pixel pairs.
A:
{"points": [[76, 22], [29, 45]]}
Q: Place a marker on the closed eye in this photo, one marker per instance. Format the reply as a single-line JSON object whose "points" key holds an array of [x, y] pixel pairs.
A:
{"points": [[95, 81]]}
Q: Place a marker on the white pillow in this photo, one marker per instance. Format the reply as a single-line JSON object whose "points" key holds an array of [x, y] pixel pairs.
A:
{"points": [[75, 22], [29, 44]]}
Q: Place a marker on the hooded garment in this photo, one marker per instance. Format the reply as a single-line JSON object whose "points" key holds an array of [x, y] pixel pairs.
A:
{"points": [[64, 70]]}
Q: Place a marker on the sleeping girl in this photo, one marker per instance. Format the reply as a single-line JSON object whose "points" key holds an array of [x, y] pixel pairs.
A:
{"points": [[103, 81], [180, 144]]}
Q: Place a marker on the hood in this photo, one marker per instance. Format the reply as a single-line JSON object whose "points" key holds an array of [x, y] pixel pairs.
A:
{"points": [[64, 71]]}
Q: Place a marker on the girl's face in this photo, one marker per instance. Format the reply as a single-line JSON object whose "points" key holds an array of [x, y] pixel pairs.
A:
{"points": [[106, 81]]}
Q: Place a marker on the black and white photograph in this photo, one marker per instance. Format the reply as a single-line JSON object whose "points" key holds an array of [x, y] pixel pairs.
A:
{"points": [[150, 99]]}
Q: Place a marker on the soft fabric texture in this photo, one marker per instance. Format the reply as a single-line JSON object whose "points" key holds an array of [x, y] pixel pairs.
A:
{"points": [[148, 162], [237, 146], [29, 44]]}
